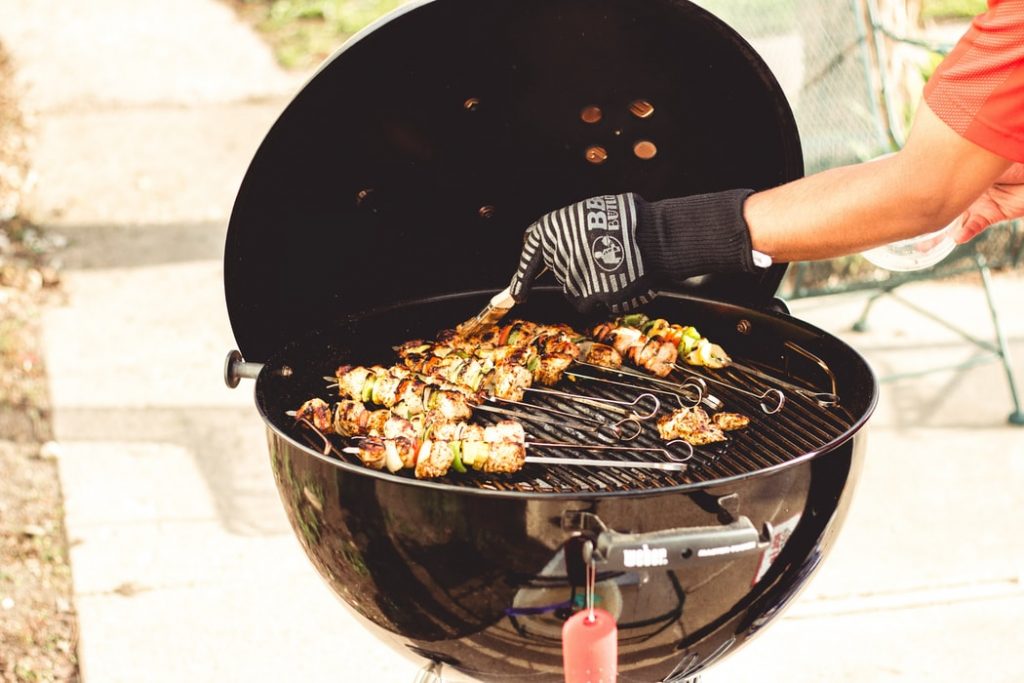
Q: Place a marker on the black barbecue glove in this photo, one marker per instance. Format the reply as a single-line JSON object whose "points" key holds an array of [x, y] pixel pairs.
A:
{"points": [[616, 250]]}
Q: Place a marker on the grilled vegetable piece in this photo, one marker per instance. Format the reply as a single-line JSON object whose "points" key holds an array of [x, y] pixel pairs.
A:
{"points": [[428, 444], [729, 422], [600, 354], [433, 460], [510, 381], [654, 355], [545, 350], [550, 368], [506, 446], [394, 388], [708, 355], [505, 378], [374, 454], [498, 448], [317, 412], [693, 348], [692, 425]]}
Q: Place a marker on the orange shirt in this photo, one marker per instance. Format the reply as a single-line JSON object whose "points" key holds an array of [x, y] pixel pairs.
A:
{"points": [[978, 90]]}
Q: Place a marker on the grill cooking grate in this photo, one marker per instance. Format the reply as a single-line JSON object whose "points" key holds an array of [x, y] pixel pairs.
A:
{"points": [[802, 426]]}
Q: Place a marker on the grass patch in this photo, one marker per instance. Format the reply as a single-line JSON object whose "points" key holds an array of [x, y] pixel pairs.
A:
{"points": [[304, 32]]}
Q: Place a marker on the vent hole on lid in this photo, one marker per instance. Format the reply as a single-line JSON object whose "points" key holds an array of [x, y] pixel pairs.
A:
{"points": [[596, 154], [471, 104], [591, 114], [486, 211], [363, 196], [645, 149], [642, 109]]}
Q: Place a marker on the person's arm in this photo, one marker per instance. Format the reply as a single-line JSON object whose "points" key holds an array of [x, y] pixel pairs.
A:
{"points": [[922, 188]]}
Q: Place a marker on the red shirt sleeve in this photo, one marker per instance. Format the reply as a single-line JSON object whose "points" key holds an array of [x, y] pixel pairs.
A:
{"points": [[978, 90]]}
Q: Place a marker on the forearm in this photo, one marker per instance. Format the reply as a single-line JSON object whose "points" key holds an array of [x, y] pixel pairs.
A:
{"points": [[849, 209]]}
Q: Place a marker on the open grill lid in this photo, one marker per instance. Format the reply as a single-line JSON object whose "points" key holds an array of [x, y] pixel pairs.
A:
{"points": [[411, 163]]}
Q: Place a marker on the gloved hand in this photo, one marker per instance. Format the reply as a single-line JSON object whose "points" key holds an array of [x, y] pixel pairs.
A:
{"points": [[616, 250]]}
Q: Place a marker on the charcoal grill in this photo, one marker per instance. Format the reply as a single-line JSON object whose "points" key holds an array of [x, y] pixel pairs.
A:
{"points": [[389, 201]]}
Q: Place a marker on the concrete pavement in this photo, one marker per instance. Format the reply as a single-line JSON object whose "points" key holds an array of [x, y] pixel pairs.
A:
{"points": [[146, 116], [184, 567]]}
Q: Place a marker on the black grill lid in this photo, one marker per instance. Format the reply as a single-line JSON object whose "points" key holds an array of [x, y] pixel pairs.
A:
{"points": [[411, 163]]}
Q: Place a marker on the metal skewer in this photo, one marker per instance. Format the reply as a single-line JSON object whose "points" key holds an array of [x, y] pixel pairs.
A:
{"points": [[677, 464], [778, 396], [775, 397], [824, 399], [695, 383], [683, 401], [653, 449], [609, 403], [626, 429], [592, 462]]}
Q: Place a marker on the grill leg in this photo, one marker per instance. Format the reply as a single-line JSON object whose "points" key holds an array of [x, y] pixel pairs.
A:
{"points": [[431, 673], [1017, 416], [999, 349], [861, 325]]}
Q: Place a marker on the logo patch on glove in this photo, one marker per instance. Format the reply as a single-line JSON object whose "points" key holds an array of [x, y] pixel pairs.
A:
{"points": [[607, 252], [603, 216], [591, 249]]}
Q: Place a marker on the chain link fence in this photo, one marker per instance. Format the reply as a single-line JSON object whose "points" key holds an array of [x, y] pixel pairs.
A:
{"points": [[822, 54], [852, 77]]}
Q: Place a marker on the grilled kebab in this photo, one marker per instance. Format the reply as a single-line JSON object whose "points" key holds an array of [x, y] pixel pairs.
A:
{"points": [[428, 444], [691, 347], [655, 355], [405, 394]]}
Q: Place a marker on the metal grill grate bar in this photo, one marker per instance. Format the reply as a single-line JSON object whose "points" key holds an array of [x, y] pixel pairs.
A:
{"points": [[802, 426]]}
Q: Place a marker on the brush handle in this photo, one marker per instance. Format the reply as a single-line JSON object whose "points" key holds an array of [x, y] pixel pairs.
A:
{"points": [[503, 299]]}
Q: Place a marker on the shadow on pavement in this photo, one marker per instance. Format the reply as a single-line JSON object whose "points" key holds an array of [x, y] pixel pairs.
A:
{"points": [[227, 445], [127, 246]]}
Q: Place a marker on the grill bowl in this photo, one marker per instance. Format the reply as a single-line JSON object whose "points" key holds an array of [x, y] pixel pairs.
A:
{"points": [[445, 571], [409, 166]]}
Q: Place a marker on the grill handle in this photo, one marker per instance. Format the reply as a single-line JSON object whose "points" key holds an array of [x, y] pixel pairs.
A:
{"points": [[673, 548], [236, 369]]}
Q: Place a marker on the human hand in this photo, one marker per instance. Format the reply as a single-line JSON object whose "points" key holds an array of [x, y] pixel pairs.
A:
{"points": [[613, 250], [1003, 201]]}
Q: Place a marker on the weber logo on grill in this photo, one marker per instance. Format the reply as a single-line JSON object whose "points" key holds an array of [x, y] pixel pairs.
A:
{"points": [[645, 556]]}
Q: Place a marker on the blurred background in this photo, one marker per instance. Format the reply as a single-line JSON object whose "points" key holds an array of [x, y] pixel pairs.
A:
{"points": [[141, 537]]}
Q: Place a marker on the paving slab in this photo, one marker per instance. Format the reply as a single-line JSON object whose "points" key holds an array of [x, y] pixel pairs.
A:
{"points": [[73, 56], [261, 626], [148, 166], [166, 591], [184, 565], [926, 581], [975, 640], [930, 511]]}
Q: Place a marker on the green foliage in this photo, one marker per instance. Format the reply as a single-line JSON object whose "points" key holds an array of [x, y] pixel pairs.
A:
{"points": [[952, 9], [306, 31], [928, 68]]}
